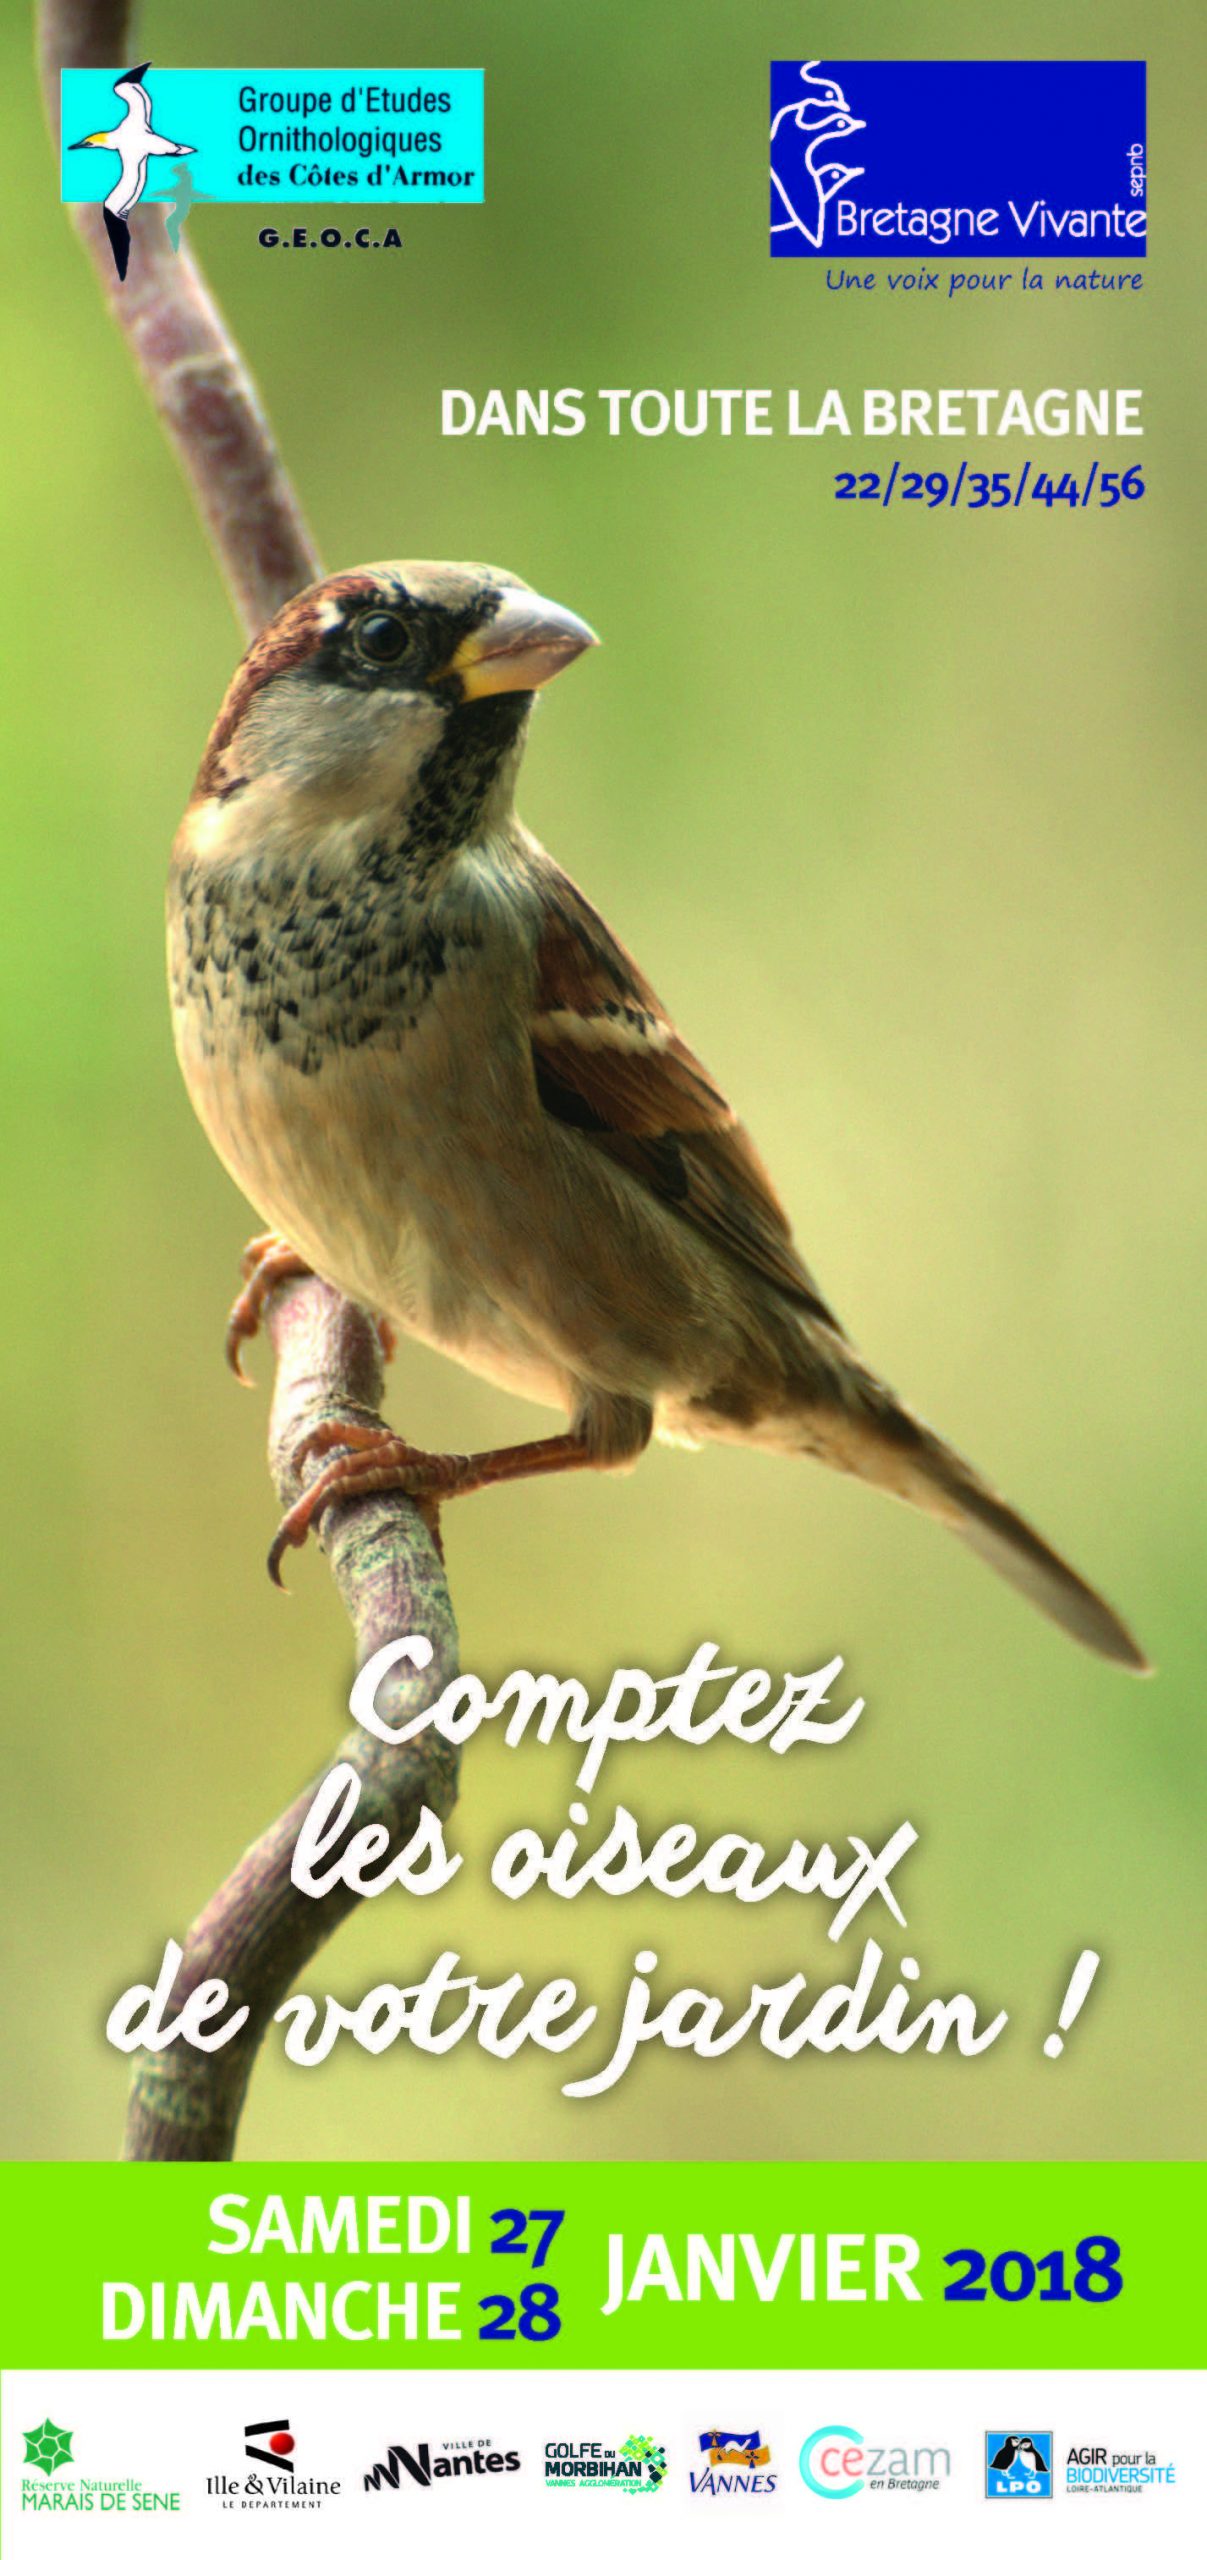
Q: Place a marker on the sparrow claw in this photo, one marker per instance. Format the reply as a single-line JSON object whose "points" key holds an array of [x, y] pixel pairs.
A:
{"points": [[371, 1460], [353, 1438], [266, 1261], [374, 1460]]}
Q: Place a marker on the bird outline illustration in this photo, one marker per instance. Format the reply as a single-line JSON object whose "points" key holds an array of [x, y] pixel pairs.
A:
{"points": [[179, 205], [825, 116], [725, 2445], [135, 142], [810, 113]]}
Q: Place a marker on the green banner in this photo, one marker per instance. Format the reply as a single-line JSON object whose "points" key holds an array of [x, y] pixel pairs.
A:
{"points": [[895, 2265]]}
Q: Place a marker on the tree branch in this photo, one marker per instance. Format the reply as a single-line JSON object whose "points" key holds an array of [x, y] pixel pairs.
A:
{"points": [[258, 1931], [200, 386]]}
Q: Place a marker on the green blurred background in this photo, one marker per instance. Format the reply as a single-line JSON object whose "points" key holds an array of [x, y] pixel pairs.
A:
{"points": [[897, 811]]}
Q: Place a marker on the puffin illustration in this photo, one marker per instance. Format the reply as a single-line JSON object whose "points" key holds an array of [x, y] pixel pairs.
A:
{"points": [[135, 142], [1020, 2450]]}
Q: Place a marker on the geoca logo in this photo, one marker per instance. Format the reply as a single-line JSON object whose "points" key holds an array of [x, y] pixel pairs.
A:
{"points": [[836, 2462], [474, 2458]]}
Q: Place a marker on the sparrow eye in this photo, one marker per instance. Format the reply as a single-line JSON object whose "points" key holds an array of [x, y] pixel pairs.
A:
{"points": [[381, 637]]}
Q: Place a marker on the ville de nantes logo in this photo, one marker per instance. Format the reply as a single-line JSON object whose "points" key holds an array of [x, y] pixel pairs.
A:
{"points": [[984, 160], [737, 2465], [50, 2451], [1018, 2465], [460, 2459]]}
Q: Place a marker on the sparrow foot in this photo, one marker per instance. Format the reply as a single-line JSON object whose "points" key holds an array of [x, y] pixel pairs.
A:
{"points": [[267, 1260], [374, 1460]]}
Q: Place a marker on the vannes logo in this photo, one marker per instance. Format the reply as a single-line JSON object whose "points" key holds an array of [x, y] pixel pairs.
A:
{"points": [[736, 2464], [474, 2458], [271, 2477]]}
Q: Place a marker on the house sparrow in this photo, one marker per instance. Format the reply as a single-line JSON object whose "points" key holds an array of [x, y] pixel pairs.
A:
{"points": [[449, 1090]]}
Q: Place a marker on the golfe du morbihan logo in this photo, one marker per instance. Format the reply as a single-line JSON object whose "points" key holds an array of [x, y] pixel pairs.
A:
{"points": [[49, 2450], [456, 2459], [1000, 160], [737, 2465], [637, 2466], [837, 2462], [271, 2477]]}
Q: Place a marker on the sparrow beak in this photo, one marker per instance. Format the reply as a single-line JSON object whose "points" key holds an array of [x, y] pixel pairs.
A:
{"points": [[525, 643]]}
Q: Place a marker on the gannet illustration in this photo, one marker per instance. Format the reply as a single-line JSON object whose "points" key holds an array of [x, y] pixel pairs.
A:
{"points": [[826, 176], [135, 143]]}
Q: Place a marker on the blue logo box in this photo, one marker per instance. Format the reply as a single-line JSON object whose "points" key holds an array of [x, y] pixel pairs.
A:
{"points": [[984, 160]]}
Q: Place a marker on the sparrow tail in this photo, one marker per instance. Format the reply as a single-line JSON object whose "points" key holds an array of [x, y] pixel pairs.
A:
{"points": [[891, 1448]]}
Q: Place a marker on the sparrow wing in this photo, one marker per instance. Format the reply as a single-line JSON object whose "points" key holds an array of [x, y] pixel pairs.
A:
{"points": [[610, 1063]]}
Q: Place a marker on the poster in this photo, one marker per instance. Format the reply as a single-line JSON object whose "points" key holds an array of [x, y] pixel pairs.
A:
{"points": [[639, 1979]]}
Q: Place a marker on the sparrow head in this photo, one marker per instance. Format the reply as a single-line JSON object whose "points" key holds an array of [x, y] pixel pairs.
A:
{"points": [[399, 687]]}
